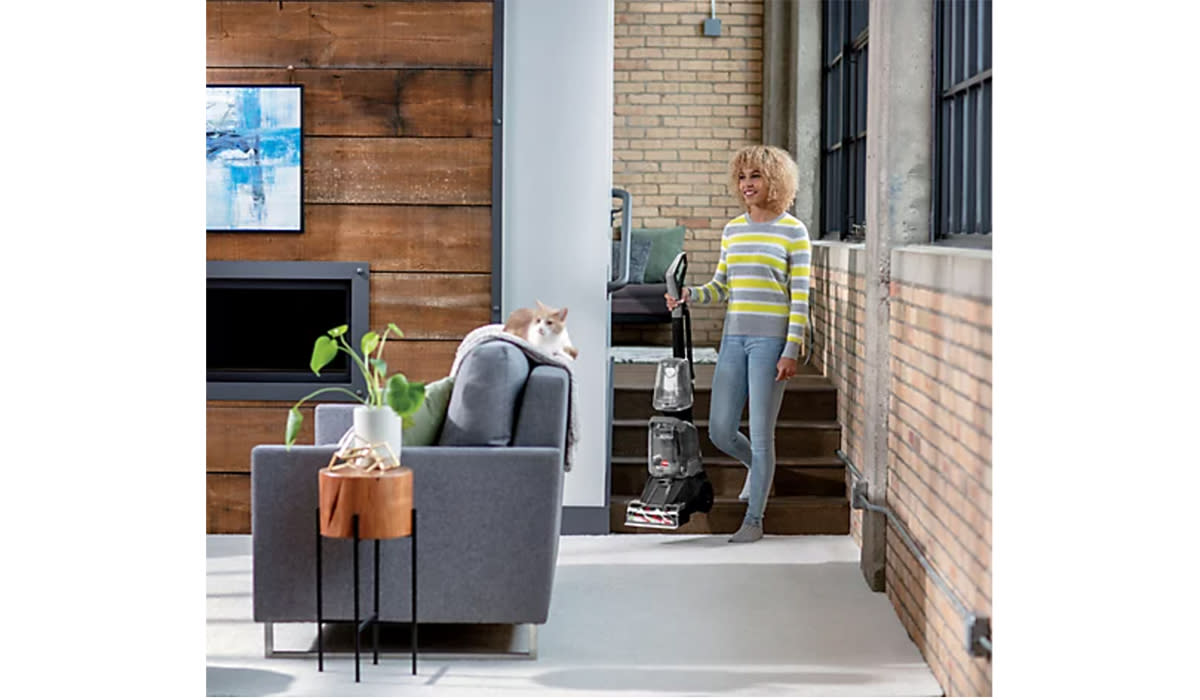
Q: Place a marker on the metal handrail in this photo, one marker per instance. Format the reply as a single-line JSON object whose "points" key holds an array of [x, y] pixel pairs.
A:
{"points": [[626, 212], [978, 627]]}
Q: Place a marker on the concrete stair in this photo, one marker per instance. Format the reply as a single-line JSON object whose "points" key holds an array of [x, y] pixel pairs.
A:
{"points": [[808, 496]]}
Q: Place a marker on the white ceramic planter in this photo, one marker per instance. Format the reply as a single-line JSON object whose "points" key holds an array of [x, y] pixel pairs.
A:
{"points": [[373, 424]]}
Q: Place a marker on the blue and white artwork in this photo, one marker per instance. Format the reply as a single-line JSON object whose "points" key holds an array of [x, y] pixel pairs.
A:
{"points": [[254, 165]]}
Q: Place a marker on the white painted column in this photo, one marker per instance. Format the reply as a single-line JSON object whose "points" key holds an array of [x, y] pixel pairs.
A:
{"points": [[557, 184]]}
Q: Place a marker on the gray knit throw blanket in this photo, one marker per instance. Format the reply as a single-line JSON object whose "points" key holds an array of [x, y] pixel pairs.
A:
{"points": [[536, 355]]}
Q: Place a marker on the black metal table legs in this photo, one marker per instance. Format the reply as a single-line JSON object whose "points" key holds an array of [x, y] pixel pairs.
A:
{"points": [[320, 644], [372, 621], [414, 590]]}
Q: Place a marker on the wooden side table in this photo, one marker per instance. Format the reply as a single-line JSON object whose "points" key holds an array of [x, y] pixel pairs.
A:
{"points": [[374, 505]]}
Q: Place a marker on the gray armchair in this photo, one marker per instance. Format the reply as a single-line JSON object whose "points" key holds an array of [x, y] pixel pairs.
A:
{"points": [[489, 514]]}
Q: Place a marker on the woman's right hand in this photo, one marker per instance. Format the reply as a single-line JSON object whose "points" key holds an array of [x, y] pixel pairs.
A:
{"points": [[672, 302]]}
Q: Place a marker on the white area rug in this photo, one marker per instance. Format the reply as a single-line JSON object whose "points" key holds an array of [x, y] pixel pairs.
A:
{"points": [[631, 615], [644, 354]]}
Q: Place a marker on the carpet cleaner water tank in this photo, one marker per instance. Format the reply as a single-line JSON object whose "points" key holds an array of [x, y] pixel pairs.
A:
{"points": [[673, 385]]}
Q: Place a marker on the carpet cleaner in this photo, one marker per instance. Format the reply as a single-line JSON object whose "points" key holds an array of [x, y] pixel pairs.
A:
{"points": [[677, 485]]}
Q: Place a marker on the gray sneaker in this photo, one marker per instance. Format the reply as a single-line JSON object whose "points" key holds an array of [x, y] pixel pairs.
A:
{"points": [[745, 494], [747, 533]]}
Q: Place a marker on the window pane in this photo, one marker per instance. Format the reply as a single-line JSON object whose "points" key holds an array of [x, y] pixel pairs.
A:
{"points": [[834, 40], [945, 64], [986, 139], [944, 170], [860, 204], [985, 21], [958, 31], [827, 104], [970, 161], [969, 38], [833, 105], [833, 186], [824, 214], [859, 12], [956, 161], [839, 193], [851, 179], [827, 108], [860, 105], [825, 33]]}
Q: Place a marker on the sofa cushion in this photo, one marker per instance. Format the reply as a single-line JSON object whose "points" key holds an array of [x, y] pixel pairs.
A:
{"points": [[484, 398], [641, 300], [427, 421], [666, 243], [639, 257]]}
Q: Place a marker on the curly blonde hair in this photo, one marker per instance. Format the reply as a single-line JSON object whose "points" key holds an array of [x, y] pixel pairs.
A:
{"points": [[778, 170]]}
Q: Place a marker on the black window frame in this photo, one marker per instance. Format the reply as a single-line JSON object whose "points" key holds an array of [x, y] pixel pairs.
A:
{"points": [[962, 118], [845, 31]]}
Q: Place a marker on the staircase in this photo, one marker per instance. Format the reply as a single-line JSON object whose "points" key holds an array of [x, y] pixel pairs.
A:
{"points": [[808, 496]]}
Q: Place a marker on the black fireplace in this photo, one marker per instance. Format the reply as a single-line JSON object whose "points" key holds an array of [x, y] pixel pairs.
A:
{"points": [[263, 318]]}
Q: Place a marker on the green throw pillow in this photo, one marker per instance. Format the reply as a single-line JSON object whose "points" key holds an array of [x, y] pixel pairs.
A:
{"points": [[666, 243], [427, 421]]}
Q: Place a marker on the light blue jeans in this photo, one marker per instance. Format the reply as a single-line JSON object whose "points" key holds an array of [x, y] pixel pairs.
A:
{"points": [[747, 365]]}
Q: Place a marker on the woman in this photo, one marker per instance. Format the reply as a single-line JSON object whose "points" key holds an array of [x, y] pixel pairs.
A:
{"points": [[764, 275]]}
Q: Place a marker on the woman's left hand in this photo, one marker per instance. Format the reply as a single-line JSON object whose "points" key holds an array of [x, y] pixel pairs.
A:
{"points": [[786, 369]]}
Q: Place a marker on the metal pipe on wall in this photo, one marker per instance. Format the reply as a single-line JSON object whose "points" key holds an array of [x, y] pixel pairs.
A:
{"points": [[978, 627]]}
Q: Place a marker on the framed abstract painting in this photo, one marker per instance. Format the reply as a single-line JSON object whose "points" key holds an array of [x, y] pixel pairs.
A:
{"points": [[255, 164]]}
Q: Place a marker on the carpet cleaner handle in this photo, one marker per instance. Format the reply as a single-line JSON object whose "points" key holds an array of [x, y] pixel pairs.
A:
{"points": [[681, 317], [674, 279]]}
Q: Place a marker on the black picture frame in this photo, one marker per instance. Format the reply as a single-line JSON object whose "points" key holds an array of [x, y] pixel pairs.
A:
{"points": [[254, 172]]}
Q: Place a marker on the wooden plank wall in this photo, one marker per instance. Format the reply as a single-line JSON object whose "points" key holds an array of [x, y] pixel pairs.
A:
{"points": [[397, 172]]}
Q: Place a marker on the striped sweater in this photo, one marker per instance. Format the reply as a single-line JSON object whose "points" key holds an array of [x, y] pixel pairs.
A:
{"points": [[764, 274]]}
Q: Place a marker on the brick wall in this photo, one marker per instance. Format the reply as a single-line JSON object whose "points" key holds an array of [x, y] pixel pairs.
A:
{"points": [[838, 301], [682, 104], [940, 473], [939, 444]]}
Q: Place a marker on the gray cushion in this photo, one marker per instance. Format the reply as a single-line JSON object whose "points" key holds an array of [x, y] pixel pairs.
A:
{"points": [[639, 257], [486, 391]]}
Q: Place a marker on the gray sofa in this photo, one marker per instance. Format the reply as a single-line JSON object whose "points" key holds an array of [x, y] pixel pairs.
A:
{"points": [[489, 515]]}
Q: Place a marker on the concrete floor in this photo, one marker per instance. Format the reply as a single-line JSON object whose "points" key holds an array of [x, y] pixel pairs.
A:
{"points": [[630, 615]]}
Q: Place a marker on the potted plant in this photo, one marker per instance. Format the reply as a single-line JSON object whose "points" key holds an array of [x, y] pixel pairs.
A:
{"points": [[390, 400]]}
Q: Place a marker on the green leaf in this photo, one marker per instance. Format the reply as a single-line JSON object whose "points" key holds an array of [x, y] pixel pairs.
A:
{"points": [[407, 422], [295, 419], [339, 331], [323, 353], [379, 364], [404, 397], [369, 342], [395, 329]]}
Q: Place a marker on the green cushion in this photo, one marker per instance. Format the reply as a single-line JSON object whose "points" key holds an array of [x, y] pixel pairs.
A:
{"points": [[666, 243], [427, 421]]}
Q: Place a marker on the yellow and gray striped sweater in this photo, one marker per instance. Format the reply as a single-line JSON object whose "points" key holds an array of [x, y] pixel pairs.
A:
{"points": [[764, 274]]}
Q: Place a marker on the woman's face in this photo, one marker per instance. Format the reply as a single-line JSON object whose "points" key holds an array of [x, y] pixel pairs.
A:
{"points": [[752, 187]]}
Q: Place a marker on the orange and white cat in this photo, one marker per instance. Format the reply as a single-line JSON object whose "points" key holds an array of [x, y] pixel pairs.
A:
{"points": [[545, 328]]}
